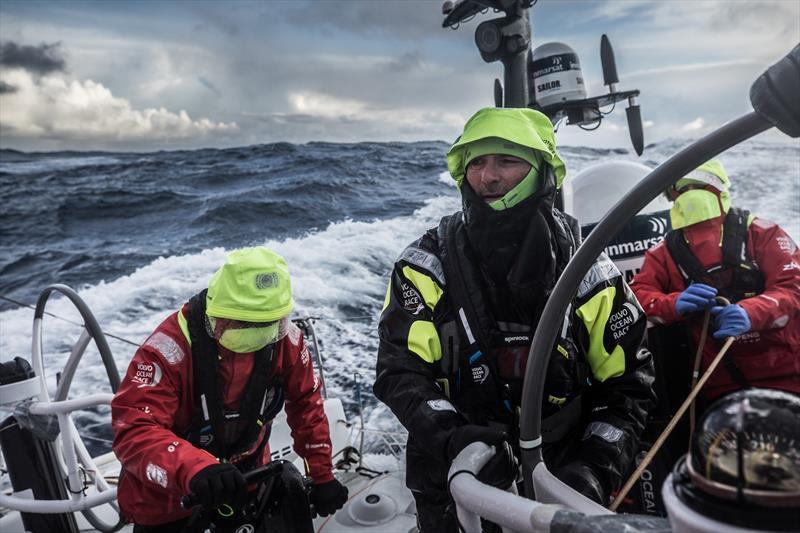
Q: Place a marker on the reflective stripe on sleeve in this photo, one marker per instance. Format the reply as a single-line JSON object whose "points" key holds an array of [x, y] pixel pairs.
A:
{"points": [[423, 340], [424, 260], [184, 325], [602, 270], [430, 291], [595, 314]]}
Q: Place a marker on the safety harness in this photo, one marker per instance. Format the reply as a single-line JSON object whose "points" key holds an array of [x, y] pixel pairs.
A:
{"points": [[473, 380], [229, 435], [736, 277]]}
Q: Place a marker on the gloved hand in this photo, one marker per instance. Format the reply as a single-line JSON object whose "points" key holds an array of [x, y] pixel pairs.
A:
{"points": [[218, 484], [582, 477], [502, 469], [463, 436], [328, 497], [696, 297], [730, 321]]}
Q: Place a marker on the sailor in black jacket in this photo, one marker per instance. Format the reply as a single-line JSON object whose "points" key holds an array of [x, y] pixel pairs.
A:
{"points": [[459, 316]]}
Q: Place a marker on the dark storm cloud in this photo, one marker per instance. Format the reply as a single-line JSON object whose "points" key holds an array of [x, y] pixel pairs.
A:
{"points": [[398, 17], [41, 59], [7, 88]]}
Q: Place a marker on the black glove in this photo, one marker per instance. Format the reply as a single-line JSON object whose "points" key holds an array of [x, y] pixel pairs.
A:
{"points": [[463, 436], [328, 497], [502, 469], [581, 477], [218, 484]]}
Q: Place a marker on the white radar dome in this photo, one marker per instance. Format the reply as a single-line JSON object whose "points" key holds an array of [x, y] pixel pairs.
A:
{"points": [[594, 190], [556, 74]]}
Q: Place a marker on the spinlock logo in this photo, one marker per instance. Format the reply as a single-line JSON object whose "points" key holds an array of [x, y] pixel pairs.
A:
{"points": [[518, 338], [480, 373], [266, 280]]}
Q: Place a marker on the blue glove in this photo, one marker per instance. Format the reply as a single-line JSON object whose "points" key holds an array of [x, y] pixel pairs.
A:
{"points": [[730, 321], [696, 297]]}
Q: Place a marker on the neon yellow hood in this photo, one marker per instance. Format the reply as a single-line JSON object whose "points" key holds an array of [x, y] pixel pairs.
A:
{"points": [[698, 205], [253, 285], [522, 126]]}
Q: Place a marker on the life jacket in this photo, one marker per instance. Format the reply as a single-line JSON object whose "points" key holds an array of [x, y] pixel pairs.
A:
{"points": [[736, 277], [483, 360], [229, 435]]}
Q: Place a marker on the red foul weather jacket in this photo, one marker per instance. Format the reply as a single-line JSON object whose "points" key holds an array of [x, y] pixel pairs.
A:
{"points": [[155, 404], [769, 354]]}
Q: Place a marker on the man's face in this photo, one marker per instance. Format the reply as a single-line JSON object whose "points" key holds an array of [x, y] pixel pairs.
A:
{"points": [[492, 176]]}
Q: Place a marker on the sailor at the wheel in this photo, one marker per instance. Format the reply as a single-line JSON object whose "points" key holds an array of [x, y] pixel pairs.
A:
{"points": [[195, 408], [461, 308]]}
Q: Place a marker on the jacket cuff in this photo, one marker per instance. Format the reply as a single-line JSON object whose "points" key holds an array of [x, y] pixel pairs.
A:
{"points": [[751, 308], [323, 477], [670, 315]]}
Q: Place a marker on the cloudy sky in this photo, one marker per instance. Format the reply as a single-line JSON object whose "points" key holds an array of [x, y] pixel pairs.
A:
{"points": [[145, 75]]}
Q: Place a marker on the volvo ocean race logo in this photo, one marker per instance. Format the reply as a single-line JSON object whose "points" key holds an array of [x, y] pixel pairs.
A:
{"points": [[245, 528], [147, 375], [480, 373]]}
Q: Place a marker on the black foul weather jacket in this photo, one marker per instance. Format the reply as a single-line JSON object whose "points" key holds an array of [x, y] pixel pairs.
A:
{"points": [[454, 345]]}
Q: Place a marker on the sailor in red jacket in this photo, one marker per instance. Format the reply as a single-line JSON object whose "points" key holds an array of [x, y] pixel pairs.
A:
{"points": [[175, 435], [713, 250]]}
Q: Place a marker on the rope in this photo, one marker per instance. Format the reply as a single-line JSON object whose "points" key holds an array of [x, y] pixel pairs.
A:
{"points": [[21, 304], [672, 423], [136, 344], [696, 370], [721, 300]]}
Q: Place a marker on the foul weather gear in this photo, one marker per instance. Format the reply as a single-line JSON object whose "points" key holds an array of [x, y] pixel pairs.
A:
{"points": [[707, 198], [761, 274], [694, 206], [154, 410], [736, 276], [460, 312]]}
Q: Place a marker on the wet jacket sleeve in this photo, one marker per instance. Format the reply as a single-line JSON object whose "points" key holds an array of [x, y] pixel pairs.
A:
{"points": [[408, 348], [610, 328], [305, 410], [145, 408], [778, 259], [652, 286]]}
